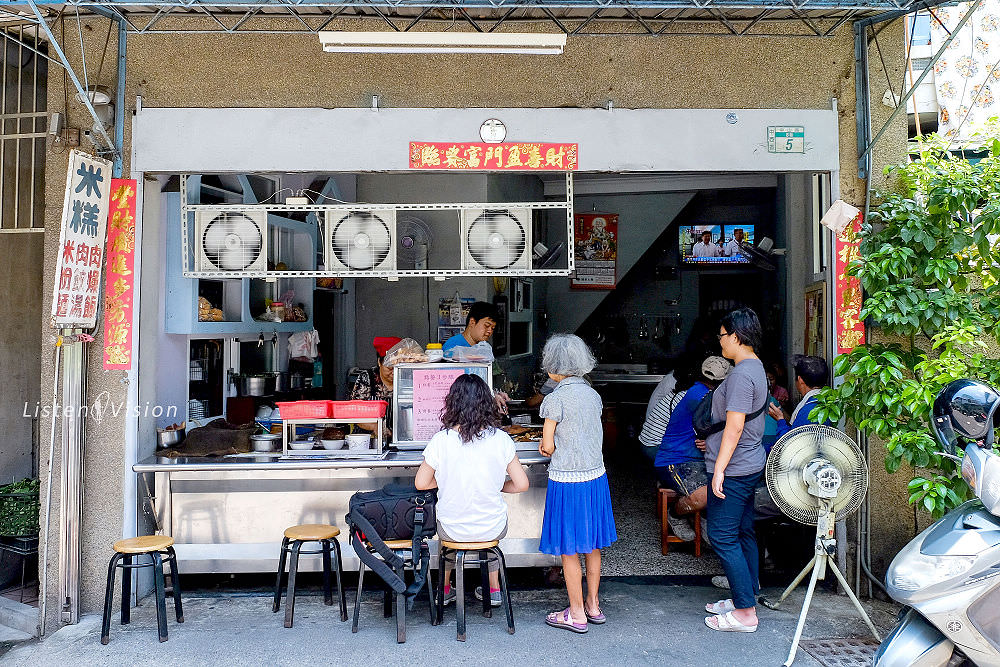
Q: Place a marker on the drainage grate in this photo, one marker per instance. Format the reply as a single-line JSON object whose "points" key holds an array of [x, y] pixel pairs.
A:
{"points": [[841, 652]]}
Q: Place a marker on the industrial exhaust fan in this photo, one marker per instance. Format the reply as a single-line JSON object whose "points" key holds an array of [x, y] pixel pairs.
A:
{"points": [[496, 239], [361, 241], [230, 241]]}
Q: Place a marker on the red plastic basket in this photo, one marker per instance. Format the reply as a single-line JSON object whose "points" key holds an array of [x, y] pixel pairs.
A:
{"points": [[358, 409], [306, 409]]}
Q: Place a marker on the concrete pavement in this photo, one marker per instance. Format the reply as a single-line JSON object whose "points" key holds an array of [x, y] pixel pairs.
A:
{"points": [[648, 623]]}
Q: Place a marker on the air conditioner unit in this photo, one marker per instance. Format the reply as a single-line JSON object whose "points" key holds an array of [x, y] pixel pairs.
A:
{"points": [[230, 241], [360, 241], [496, 239]]}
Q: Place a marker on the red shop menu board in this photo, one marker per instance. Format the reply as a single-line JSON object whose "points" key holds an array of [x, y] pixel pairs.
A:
{"points": [[429, 390]]}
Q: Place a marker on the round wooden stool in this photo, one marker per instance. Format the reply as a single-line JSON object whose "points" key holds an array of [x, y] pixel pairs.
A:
{"points": [[160, 549], [390, 599], [486, 553], [292, 543]]}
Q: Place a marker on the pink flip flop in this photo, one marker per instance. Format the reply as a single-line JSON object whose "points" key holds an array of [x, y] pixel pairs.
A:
{"points": [[563, 620]]}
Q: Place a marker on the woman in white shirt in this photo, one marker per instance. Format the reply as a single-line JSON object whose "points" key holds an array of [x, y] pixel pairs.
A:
{"points": [[468, 462]]}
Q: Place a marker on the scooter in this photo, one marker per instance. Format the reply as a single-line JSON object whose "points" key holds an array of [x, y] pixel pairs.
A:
{"points": [[948, 576]]}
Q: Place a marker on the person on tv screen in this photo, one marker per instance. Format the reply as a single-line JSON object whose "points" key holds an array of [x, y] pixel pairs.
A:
{"points": [[732, 247], [705, 247]]}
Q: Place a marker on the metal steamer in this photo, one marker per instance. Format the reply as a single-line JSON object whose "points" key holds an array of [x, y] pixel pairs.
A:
{"points": [[817, 476]]}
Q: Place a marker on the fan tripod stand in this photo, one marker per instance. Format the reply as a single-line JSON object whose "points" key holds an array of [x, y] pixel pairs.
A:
{"points": [[826, 546]]}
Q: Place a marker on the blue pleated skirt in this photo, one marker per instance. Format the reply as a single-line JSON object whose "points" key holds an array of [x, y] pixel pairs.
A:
{"points": [[578, 517]]}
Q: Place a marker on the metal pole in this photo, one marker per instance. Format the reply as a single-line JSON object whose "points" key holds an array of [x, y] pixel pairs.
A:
{"points": [[85, 95], [116, 170], [916, 84], [71, 496], [43, 579]]}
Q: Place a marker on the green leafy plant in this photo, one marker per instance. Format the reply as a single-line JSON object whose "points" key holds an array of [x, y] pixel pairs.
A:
{"points": [[929, 264]]}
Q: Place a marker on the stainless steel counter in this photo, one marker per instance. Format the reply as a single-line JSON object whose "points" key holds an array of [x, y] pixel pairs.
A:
{"points": [[227, 514], [627, 378]]}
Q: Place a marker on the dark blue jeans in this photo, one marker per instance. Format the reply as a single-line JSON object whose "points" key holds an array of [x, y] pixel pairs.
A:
{"points": [[730, 530]]}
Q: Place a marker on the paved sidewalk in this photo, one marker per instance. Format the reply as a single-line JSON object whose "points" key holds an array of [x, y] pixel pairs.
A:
{"points": [[648, 623]]}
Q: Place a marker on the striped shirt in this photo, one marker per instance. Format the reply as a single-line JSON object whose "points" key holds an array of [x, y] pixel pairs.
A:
{"points": [[658, 418]]}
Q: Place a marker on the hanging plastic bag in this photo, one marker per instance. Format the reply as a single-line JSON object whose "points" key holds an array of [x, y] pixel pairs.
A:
{"points": [[304, 345]]}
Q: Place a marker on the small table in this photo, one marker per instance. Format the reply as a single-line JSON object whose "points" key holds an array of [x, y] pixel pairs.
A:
{"points": [[23, 547]]}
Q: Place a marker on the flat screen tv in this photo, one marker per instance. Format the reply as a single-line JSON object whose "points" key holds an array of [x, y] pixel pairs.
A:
{"points": [[708, 244]]}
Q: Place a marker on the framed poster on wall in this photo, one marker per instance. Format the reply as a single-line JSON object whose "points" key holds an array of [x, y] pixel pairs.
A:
{"points": [[595, 247], [815, 304]]}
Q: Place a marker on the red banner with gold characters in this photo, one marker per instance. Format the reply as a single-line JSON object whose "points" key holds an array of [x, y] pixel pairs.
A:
{"points": [[120, 279], [493, 157], [850, 329]]}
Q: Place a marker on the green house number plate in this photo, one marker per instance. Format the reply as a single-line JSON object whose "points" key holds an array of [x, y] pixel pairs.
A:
{"points": [[786, 139]]}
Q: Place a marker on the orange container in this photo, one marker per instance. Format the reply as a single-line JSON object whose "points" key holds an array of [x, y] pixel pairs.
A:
{"points": [[357, 409]]}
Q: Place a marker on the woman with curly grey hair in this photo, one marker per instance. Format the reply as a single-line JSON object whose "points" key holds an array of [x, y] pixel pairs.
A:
{"points": [[578, 518]]}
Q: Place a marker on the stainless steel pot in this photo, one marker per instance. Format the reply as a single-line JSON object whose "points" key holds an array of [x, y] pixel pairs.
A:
{"points": [[297, 381], [264, 442], [255, 385], [167, 439], [280, 381]]}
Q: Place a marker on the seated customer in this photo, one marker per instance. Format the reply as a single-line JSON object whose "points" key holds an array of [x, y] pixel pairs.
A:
{"points": [[479, 326], [468, 462], [811, 375], [680, 464], [663, 402]]}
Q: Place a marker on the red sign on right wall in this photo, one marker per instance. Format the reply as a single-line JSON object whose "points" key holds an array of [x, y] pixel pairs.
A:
{"points": [[850, 329]]}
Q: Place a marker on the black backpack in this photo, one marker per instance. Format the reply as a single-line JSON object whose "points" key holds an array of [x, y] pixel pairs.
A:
{"points": [[395, 512], [704, 426]]}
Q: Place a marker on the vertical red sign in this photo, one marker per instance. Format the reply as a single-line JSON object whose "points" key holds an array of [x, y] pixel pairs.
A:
{"points": [[120, 276], [850, 329]]}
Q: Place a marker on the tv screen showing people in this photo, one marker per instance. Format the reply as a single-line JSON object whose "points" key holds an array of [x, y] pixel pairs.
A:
{"points": [[715, 244]]}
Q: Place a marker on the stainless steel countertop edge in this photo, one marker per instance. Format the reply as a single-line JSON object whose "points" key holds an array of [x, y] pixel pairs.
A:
{"points": [[251, 462]]}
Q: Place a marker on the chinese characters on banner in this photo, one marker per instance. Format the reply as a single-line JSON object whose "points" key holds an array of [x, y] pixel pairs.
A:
{"points": [[429, 390], [595, 243], [494, 157], [850, 329], [120, 278], [77, 283]]}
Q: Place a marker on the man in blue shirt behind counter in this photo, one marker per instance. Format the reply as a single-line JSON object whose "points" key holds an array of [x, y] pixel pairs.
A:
{"points": [[479, 326]]}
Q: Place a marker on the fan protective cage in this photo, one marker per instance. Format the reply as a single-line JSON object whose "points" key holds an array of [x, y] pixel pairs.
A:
{"points": [[496, 239], [230, 241], [793, 452], [360, 240]]}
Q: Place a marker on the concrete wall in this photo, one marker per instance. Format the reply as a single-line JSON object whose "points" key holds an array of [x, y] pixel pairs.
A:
{"points": [[222, 70], [20, 367]]}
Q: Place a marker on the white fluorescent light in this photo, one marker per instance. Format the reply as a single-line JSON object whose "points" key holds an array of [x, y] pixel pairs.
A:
{"points": [[442, 42]]}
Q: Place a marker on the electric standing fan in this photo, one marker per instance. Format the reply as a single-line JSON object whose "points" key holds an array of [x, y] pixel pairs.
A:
{"points": [[760, 255], [817, 476]]}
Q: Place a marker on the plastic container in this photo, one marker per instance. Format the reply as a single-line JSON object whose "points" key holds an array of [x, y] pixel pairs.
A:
{"points": [[307, 409], [435, 352], [358, 409]]}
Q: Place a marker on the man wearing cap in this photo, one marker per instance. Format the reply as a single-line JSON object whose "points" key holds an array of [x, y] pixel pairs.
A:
{"points": [[680, 464], [479, 326]]}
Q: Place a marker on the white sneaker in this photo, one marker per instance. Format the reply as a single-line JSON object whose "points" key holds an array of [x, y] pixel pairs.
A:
{"points": [[720, 581], [680, 527]]}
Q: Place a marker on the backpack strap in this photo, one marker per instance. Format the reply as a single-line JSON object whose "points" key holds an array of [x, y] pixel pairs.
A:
{"points": [[418, 547], [719, 426], [384, 567]]}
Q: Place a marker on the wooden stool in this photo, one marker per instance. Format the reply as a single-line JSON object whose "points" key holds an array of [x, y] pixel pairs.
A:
{"points": [[665, 499], [390, 599], [160, 549], [292, 543], [487, 552]]}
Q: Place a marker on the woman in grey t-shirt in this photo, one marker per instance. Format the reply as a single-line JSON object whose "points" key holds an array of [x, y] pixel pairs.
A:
{"points": [[734, 457]]}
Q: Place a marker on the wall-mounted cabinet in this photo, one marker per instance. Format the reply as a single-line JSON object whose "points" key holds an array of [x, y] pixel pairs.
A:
{"points": [[232, 306]]}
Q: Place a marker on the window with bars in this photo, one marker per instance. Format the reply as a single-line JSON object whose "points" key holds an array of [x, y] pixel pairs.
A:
{"points": [[23, 125]]}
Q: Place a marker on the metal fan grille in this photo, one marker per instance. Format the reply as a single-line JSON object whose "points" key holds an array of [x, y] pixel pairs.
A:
{"points": [[361, 240], [496, 239], [794, 451], [232, 241]]}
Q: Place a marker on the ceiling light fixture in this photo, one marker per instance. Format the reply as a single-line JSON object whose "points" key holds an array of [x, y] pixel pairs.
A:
{"points": [[442, 42]]}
